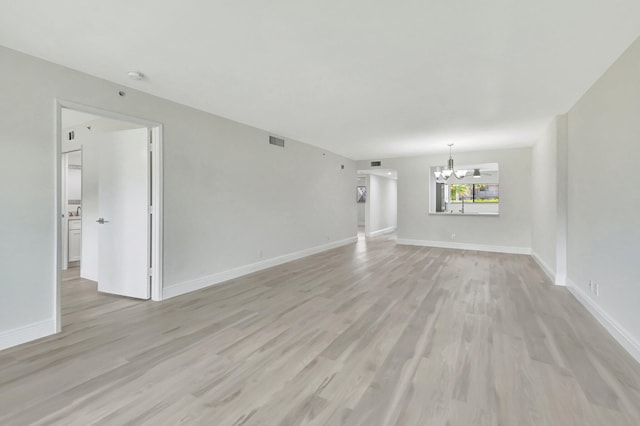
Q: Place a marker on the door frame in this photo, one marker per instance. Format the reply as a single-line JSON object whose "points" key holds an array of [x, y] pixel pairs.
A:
{"points": [[155, 130]]}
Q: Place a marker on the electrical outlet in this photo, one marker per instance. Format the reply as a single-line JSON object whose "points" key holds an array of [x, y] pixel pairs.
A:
{"points": [[453, 236]]}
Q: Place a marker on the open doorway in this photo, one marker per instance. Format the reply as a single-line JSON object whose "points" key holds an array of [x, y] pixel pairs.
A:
{"points": [[71, 187], [109, 204], [361, 200], [377, 198]]}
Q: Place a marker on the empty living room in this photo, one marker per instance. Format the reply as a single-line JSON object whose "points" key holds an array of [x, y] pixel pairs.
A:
{"points": [[320, 212]]}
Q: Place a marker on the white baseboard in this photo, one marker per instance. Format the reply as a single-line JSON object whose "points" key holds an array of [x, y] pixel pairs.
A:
{"points": [[547, 270], [27, 333], [200, 283], [381, 231], [618, 332], [465, 246]]}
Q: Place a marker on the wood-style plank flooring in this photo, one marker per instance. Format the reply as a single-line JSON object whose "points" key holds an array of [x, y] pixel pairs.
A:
{"points": [[368, 334]]}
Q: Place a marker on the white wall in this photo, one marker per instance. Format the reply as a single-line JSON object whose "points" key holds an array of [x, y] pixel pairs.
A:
{"points": [[603, 197], [74, 189], [230, 198], [510, 231], [74, 184], [543, 197], [382, 205], [493, 208], [549, 199]]}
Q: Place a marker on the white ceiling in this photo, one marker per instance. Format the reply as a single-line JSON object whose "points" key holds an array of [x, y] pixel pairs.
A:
{"points": [[366, 79]]}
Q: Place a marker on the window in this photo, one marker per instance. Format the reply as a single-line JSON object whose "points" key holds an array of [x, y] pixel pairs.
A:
{"points": [[474, 193], [486, 193]]}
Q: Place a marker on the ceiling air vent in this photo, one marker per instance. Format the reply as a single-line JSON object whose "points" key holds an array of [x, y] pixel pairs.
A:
{"points": [[376, 163], [276, 141]]}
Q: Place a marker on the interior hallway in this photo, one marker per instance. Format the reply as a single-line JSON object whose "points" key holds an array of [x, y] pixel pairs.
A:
{"points": [[371, 333]]}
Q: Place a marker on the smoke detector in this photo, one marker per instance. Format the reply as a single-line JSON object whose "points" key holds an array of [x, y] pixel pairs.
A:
{"points": [[135, 75]]}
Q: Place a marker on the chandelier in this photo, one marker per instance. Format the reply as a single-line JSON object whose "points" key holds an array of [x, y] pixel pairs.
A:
{"points": [[446, 173]]}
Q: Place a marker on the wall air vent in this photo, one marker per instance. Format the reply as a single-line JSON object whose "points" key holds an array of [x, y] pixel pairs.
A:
{"points": [[376, 163], [276, 141]]}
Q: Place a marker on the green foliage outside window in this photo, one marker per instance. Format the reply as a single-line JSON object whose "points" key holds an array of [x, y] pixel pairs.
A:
{"points": [[474, 193]]}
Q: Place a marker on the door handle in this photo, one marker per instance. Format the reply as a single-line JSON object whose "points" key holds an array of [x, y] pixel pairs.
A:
{"points": [[101, 221]]}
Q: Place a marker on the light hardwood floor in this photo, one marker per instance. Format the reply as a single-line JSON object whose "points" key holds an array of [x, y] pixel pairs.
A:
{"points": [[367, 334]]}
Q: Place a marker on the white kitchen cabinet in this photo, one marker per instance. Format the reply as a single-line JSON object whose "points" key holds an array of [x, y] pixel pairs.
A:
{"points": [[75, 240]]}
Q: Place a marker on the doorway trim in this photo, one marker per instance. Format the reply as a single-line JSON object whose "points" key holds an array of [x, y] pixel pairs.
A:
{"points": [[156, 131]]}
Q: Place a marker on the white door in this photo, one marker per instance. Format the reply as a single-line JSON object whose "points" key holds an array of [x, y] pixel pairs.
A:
{"points": [[123, 194]]}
